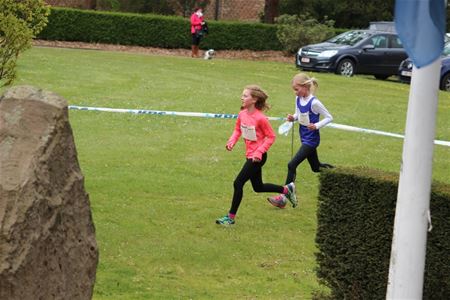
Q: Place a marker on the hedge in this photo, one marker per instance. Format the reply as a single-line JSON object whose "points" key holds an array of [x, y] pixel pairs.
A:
{"points": [[356, 212], [154, 31]]}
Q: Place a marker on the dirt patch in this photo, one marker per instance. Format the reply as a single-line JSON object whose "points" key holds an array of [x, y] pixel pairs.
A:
{"points": [[277, 56]]}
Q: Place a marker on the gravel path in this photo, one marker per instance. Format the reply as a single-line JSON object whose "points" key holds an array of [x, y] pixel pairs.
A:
{"points": [[277, 56]]}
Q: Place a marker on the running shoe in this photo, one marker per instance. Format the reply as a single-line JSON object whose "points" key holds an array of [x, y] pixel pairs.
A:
{"points": [[278, 201], [225, 220], [291, 194], [326, 166]]}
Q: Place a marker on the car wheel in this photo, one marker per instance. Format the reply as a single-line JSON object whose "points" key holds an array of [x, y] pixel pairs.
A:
{"points": [[445, 83], [346, 67], [381, 77]]}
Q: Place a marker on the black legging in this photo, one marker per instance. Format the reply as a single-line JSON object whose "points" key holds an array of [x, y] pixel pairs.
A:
{"points": [[305, 151], [252, 171]]}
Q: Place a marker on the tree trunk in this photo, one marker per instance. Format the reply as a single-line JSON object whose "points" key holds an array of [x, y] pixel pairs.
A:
{"points": [[270, 11], [90, 4]]}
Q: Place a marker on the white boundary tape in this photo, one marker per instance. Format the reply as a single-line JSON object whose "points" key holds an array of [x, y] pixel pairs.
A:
{"points": [[234, 116]]}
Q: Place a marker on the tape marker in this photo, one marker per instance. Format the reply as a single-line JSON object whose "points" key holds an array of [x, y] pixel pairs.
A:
{"points": [[234, 116]]}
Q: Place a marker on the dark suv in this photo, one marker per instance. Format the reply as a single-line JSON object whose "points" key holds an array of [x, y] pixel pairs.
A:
{"points": [[371, 52]]}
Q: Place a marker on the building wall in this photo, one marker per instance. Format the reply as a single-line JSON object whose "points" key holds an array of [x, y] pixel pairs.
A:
{"points": [[86, 4], [244, 10]]}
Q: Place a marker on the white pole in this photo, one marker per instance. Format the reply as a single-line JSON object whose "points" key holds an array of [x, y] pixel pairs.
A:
{"points": [[408, 250]]}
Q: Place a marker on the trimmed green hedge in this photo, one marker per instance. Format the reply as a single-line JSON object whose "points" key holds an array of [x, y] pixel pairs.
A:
{"points": [[154, 31], [355, 225]]}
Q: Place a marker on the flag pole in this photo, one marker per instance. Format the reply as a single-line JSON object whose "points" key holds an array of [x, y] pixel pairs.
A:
{"points": [[407, 262]]}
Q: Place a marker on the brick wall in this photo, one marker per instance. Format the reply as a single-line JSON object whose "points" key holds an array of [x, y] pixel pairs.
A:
{"points": [[86, 4], [245, 10]]}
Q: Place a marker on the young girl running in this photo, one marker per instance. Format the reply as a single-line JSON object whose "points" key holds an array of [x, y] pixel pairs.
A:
{"points": [[258, 136], [308, 110]]}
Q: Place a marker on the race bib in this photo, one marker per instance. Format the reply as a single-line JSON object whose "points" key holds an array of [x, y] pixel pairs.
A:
{"points": [[304, 119], [248, 132]]}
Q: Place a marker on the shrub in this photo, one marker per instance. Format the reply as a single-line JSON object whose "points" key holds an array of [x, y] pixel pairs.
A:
{"points": [[354, 235], [20, 21], [154, 31], [296, 31]]}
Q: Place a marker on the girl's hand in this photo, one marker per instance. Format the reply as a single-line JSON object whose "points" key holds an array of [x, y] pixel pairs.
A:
{"points": [[228, 147], [312, 127], [290, 118]]}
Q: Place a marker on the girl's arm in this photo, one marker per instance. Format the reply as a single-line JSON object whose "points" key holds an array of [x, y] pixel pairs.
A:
{"points": [[294, 117], [235, 136], [318, 108]]}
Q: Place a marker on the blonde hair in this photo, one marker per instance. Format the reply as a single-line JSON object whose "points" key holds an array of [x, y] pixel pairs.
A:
{"points": [[305, 80], [260, 95]]}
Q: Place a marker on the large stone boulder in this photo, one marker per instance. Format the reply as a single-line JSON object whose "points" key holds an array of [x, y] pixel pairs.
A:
{"points": [[47, 237]]}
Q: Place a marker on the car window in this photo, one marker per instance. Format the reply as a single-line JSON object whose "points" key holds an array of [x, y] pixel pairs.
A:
{"points": [[395, 42], [350, 37], [379, 41], [446, 51]]}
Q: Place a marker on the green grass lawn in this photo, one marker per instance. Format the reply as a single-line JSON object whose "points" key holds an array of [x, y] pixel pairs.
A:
{"points": [[157, 183]]}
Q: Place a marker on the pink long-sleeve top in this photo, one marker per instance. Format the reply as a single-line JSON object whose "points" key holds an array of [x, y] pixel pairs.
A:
{"points": [[196, 22], [256, 131]]}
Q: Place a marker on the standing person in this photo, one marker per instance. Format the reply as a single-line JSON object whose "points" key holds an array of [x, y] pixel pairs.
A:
{"points": [[197, 21], [308, 110], [258, 136]]}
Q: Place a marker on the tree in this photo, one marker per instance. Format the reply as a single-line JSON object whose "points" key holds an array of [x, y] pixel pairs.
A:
{"points": [[296, 31], [145, 6], [270, 11], [297, 7], [188, 6], [359, 13], [346, 13], [448, 17], [20, 22], [90, 4]]}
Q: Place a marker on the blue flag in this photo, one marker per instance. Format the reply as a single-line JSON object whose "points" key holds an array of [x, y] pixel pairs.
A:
{"points": [[421, 27]]}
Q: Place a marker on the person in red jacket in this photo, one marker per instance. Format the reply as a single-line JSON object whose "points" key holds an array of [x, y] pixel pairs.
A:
{"points": [[197, 21], [258, 136]]}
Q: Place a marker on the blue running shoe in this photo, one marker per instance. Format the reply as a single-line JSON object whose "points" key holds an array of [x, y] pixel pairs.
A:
{"points": [[291, 194], [225, 221]]}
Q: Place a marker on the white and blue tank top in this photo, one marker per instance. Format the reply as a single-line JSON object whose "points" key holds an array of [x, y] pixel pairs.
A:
{"points": [[309, 137]]}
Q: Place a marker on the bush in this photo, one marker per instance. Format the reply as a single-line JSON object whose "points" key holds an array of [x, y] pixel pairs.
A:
{"points": [[296, 31], [354, 236], [154, 31], [20, 21]]}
